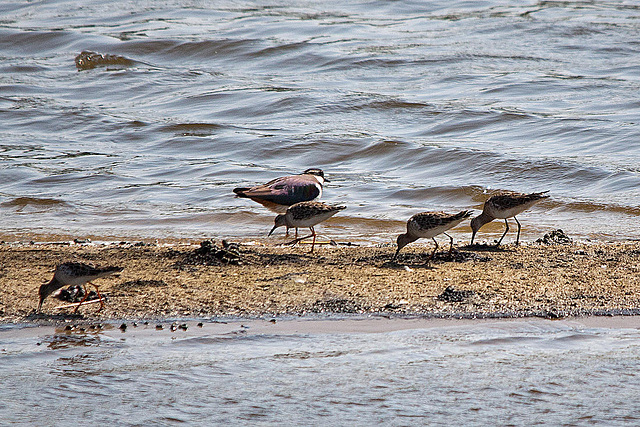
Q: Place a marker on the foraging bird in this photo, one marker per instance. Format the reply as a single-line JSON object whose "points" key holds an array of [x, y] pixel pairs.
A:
{"points": [[75, 273], [505, 205], [306, 214], [429, 225], [277, 195]]}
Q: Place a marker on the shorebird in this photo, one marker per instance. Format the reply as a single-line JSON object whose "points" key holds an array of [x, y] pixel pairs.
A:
{"points": [[505, 205], [429, 225], [306, 214], [277, 195], [75, 273]]}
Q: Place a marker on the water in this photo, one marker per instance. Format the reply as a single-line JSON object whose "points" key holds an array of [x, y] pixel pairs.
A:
{"points": [[349, 372], [407, 106]]}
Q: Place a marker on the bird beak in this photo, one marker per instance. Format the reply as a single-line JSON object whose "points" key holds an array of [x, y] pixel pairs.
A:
{"points": [[473, 235], [395, 255], [272, 230]]}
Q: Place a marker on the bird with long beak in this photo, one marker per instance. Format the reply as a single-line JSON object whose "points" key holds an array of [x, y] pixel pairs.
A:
{"points": [[306, 214], [506, 204], [75, 273], [428, 225]]}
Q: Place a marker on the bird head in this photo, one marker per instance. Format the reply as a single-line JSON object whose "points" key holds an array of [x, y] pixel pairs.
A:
{"points": [[46, 290], [402, 241], [317, 172], [280, 221]]}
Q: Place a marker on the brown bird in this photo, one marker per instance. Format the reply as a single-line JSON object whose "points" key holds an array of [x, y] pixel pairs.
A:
{"points": [[429, 225], [75, 273], [278, 194], [306, 214], [506, 204]]}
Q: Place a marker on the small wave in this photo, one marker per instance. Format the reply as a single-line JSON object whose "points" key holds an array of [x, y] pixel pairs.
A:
{"points": [[22, 202], [192, 129]]}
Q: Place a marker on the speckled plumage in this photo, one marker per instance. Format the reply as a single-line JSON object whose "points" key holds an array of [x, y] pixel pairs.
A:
{"points": [[506, 204], [306, 214], [74, 273], [429, 225]]}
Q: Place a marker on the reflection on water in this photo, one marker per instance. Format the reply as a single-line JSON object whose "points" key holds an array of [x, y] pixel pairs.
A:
{"points": [[326, 372], [407, 107]]}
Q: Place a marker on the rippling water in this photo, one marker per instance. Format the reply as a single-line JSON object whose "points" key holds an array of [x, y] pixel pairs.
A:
{"points": [[408, 106], [398, 372]]}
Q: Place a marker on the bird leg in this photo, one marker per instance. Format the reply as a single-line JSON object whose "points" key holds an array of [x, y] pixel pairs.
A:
{"points": [[296, 240], [99, 296], [505, 232], [86, 294], [314, 238], [450, 243], [434, 249], [313, 234], [518, 238]]}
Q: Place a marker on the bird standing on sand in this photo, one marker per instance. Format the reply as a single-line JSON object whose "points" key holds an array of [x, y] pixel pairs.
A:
{"points": [[75, 273], [505, 205], [277, 195], [429, 225], [306, 214]]}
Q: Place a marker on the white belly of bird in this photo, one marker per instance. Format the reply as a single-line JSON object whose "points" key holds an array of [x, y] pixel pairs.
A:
{"points": [[430, 232], [509, 213], [72, 280], [310, 221]]}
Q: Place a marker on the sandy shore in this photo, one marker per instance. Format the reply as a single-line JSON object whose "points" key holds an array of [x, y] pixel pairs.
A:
{"points": [[252, 280]]}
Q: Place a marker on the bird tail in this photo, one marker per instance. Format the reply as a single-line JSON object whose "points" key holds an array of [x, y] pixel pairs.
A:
{"points": [[240, 191], [538, 196], [463, 214]]}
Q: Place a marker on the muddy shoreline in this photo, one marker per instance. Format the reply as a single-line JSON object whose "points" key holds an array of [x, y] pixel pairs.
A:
{"points": [[254, 280]]}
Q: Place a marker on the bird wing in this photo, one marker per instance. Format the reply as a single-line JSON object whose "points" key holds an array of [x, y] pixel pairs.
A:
{"points": [[287, 190]]}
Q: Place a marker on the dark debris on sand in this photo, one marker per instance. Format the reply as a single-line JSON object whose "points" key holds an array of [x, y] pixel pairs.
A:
{"points": [[455, 256], [75, 293], [337, 305], [211, 254], [555, 237], [452, 295], [142, 284]]}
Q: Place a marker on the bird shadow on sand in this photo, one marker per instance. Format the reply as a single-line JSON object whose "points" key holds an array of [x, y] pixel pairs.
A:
{"points": [[477, 247], [35, 316], [423, 260]]}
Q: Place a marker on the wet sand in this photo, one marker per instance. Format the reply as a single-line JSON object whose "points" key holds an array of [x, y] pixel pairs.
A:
{"points": [[184, 280]]}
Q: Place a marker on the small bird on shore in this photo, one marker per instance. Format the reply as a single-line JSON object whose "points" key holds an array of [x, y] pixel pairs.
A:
{"points": [[277, 195], [505, 205], [429, 225], [75, 273], [306, 214]]}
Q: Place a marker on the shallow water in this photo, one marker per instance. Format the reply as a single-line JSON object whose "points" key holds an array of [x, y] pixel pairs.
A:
{"points": [[407, 106], [355, 372]]}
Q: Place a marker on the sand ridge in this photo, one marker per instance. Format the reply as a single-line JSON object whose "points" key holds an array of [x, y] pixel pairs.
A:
{"points": [[253, 280]]}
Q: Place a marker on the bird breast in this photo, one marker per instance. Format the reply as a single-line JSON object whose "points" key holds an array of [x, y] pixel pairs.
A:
{"points": [[510, 212]]}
